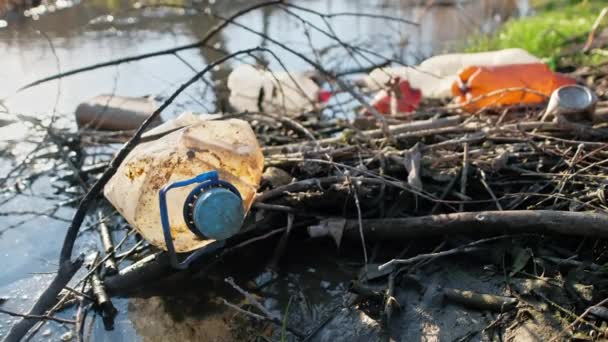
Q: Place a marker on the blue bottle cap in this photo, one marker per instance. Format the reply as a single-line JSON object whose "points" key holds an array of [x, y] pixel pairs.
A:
{"points": [[218, 213]]}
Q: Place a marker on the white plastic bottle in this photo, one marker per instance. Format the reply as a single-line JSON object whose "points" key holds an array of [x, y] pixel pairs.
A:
{"points": [[276, 92]]}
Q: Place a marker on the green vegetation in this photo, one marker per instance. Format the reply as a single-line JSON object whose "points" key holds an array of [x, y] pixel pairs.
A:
{"points": [[284, 323], [555, 32]]}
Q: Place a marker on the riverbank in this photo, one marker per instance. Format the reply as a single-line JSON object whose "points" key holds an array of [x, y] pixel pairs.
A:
{"points": [[557, 32]]}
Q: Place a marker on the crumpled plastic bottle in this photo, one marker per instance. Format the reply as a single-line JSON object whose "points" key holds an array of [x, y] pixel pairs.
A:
{"points": [[398, 98], [480, 87], [289, 93]]}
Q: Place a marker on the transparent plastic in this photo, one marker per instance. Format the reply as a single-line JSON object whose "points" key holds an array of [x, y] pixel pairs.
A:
{"points": [[228, 146], [275, 92]]}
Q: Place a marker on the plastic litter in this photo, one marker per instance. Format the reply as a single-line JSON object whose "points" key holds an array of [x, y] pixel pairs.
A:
{"points": [[450, 64], [115, 113], [431, 84], [257, 90], [487, 87], [190, 187], [398, 98], [434, 76]]}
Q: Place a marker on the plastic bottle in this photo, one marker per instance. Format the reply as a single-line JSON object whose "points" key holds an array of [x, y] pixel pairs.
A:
{"points": [[115, 113], [255, 90], [190, 187], [451, 64], [431, 84], [482, 87], [434, 76]]}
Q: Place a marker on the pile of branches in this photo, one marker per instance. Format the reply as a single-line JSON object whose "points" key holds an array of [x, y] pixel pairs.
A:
{"points": [[446, 174]]}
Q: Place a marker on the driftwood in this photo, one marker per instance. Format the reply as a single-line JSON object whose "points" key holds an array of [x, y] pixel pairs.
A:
{"points": [[108, 245], [103, 301], [484, 222], [146, 270], [480, 301]]}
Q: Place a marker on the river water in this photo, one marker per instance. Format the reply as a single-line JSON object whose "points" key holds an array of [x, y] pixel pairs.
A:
{"points": [[71, 34]]}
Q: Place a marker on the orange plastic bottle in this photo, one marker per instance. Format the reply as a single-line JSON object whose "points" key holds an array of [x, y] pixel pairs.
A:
{"points": [[490, 87]]}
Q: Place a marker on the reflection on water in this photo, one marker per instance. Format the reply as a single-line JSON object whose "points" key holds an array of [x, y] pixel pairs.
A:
{"points": [[191, 308], [98, 30], [71, 34]]}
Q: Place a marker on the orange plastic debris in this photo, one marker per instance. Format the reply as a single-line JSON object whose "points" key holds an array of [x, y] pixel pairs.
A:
{"points": [[487, 87], [400, 97]]}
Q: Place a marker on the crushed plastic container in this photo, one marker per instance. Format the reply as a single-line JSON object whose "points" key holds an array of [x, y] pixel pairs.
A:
{"points": [[434, 76], [190, 187], [398, 98], [255, 90], [488, 87], [431, 84]]}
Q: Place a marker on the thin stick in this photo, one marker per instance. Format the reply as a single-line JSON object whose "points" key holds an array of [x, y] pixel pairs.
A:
{"points": [[594, 28], [488, 189], [108, 244], [446, 191], [353, 14], [471, 247], [38, 317], [252, 300], [420, 257], [282, 244], [246, 312], [269, 315], [464, 174], [80, 316], [353, 189], [389, 302], [374, 133], [577, 320]]}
